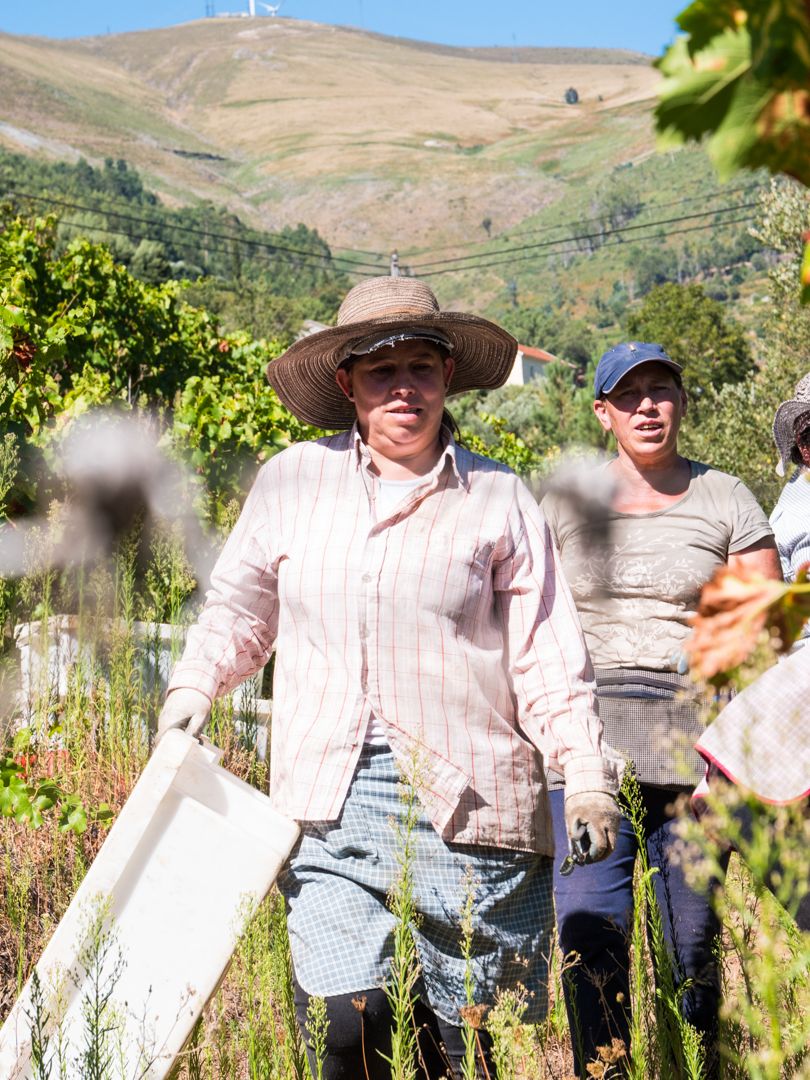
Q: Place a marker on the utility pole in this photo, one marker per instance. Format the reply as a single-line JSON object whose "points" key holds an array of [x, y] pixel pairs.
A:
{"points": [[394, 264]]}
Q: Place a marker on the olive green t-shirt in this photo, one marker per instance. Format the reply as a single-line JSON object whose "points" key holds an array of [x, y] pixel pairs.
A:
{"points": [[637, 583]]}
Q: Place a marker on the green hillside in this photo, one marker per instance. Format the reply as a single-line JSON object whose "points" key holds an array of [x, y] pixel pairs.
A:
{"points": [[376, 142], [468, 162]]}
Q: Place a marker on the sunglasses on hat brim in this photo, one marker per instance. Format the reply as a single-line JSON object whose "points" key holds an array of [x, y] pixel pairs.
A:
{"points": [[382, 340]]}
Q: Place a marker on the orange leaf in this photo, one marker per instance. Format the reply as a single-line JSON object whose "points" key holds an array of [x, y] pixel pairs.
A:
{"points": [[735, 606]]}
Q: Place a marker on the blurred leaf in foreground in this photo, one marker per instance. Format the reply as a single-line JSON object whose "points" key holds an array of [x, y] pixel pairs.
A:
{"points": [[735, 608], [741, 77]]}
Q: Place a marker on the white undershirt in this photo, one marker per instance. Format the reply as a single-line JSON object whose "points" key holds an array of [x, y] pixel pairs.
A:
{"points": [[389, 494], [392, 492]]}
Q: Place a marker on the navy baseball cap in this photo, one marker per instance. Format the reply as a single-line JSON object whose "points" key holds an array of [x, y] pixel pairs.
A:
{"points": [[616, 362]]}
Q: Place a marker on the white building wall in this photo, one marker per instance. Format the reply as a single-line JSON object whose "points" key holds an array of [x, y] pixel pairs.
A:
{"points": [[525, 370]]}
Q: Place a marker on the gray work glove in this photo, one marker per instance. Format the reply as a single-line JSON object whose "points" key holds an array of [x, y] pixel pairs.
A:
{"points": [[184, 708], [592, 823]]}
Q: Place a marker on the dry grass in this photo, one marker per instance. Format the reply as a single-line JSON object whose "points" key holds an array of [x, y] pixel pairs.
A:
{"points": [[375, 141], [248, 1029]]}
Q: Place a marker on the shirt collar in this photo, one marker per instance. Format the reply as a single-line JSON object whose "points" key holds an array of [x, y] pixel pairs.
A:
{"points": [[448, 454]]}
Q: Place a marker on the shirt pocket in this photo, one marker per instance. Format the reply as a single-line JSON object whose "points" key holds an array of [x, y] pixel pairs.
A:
{"points": [[449, 572]]}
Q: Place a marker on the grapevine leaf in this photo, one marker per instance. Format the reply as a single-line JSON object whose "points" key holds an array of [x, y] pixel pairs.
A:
{"points": [[699, 91]]}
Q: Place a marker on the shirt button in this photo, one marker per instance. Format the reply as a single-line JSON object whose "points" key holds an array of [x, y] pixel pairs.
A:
{"points": [[366, 578]]}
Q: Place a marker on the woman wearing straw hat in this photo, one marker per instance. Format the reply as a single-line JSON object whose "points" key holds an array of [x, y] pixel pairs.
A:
{"points": [[423, 637], [791, 515]]}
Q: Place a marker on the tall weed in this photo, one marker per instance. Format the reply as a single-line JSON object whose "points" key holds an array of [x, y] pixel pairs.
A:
{"points": [[92, 742]]}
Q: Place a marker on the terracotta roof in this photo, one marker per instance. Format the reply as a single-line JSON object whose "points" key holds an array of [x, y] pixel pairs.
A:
{"points": [[537, 354]]}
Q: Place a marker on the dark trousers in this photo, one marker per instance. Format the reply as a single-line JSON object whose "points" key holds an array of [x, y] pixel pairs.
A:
{"points": [[358, 1039], [594, 915]]}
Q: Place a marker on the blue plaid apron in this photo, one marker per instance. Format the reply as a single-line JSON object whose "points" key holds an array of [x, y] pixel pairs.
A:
{"points": [[336, 888]]}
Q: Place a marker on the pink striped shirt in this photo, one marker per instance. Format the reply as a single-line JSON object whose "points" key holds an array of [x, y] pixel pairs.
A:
{"points": [[449, 620]]}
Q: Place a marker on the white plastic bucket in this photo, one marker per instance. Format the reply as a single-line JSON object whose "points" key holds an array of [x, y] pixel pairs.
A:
{"points": [[192, 850]]}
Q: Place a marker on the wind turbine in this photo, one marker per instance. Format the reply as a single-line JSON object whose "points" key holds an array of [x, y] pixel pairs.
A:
{"points": [[272, 9]]}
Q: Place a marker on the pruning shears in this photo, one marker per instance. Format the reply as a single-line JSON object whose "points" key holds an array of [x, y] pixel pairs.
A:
{"points": [[577, 855]]}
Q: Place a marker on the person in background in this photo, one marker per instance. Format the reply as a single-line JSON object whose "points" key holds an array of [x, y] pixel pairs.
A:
{"points": [[636, 583], [424, 635], [760, 742], [790, 519]]}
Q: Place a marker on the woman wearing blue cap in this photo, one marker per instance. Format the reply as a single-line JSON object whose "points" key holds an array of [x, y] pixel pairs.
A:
{"points": [[672, 523]]}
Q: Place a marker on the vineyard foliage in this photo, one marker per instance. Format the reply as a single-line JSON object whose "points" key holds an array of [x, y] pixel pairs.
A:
{"points": [[78, 330], [739, 76], [737, 79], [113, 298]]}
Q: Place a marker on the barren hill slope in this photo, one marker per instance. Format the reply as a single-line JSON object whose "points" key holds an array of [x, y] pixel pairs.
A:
{"points": [[378, 142]]}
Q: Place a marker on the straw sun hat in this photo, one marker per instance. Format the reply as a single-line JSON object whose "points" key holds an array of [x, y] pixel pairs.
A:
{"points": [[785, 430], [373, 312]]}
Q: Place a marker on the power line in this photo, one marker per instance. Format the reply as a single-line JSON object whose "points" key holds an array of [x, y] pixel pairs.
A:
{"points": [[128, 203], [190, 230], [577, 251], [348, 262], [292, 255], [359, 251], [589, 236], [563, 239], [457, 269], [189, 246], [265, 257], [608, 243], [515, 234], [661, 206], [125, 202], [220, 251]]}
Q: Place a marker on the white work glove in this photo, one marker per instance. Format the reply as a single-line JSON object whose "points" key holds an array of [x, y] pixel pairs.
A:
{"points": [[184, 708], [592, 822]]}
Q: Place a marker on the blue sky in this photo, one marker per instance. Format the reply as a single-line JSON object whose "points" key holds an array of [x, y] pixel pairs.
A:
{"points": [[643, 25]]}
